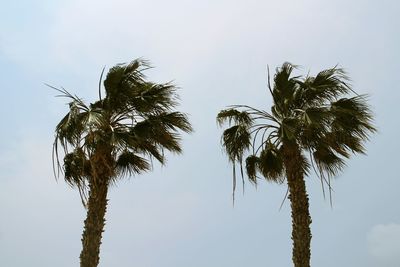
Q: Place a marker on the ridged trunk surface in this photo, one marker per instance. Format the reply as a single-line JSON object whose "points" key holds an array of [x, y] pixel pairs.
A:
{"points": [[94, 225], [101, 164], [301, 220]]}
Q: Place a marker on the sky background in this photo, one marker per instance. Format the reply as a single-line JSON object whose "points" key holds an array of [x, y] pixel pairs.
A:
{"points": [[181, 215]]}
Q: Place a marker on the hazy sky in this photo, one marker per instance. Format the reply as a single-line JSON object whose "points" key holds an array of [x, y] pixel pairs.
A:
{"points": [[181, 215]]}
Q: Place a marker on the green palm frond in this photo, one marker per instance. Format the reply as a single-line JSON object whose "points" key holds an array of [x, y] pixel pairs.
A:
{"points": [[236, 140], [283, 90], [113, 80], [136, 67], [124, 139], [284, 84], [254, 113], [234, 116], [252, 163], [152, 97], [171, 121], [147, 148], [343, 143], [131, 73], [327, 86], [315, 123], [353, 115], [160, 136], [327, 161], [271, 164], [129, 164], [316, 116], [76, 168], [123, 82], [161, 129], [126, 84]]}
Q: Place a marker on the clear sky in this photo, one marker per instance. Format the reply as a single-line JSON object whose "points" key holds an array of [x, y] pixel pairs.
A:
{"points": [[181, 215]]}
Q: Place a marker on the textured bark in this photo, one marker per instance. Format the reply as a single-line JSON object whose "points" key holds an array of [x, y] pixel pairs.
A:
{"points": [[101, 164], [94, 225], [301, 220]]}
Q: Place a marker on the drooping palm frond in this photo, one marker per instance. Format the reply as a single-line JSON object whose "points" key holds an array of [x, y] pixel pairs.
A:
{"points": [[327, 161], [236, 140], [354, 116], [77, 168], [271, 164], [252, 167], [129, 164], [68, 135], [234, 116]]}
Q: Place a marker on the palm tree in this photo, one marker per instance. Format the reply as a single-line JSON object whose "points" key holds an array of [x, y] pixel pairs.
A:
{"points": [[312, 124], [114, 137]]}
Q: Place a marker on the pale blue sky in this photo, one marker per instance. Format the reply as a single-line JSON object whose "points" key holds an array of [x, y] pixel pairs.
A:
{"points": [[217, 51]]}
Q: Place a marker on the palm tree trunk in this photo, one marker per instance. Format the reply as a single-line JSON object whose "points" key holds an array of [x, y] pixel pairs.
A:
{"points": [[301, 220], [94, 225]]}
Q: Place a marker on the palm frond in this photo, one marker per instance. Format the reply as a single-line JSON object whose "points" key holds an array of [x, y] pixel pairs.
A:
{"points": [[252, 163], [327, 161], [76, 168], [256, 113], [150, 97], [326, 86], [353, 115], [113, 80], [236, 140], [129, 164], [234, 116], [343, 143], [284, 88], [172, 121], [271, 164]]}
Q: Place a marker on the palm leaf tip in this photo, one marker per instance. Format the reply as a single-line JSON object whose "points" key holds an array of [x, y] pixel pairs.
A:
{"points": [[271, 164], [130, 164], [76, 168], [177, 120], [252, 162], [236, 140], [353, 115], [327, 161], [233, 116]]}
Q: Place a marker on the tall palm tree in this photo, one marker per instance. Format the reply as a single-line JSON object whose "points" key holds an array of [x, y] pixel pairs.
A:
{"points": [[312, 124], [114, 137]]}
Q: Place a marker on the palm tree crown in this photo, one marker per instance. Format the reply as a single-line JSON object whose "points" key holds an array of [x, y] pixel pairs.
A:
{"points": [[310, 112], [133, 123]]}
